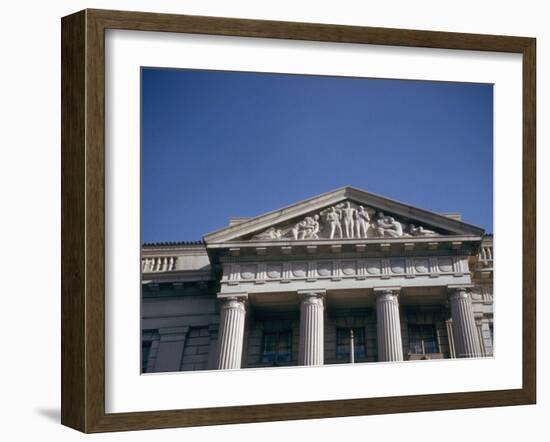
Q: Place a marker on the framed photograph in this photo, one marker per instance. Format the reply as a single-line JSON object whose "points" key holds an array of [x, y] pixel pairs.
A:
{"points": [[269, 220]]}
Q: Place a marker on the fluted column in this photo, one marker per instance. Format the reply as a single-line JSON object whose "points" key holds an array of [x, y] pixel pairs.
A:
{"points": [[464, 325], [388, 325], [311, 350], [231, 332]]}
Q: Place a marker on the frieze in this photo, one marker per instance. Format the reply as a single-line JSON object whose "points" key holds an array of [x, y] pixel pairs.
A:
{"points": [[346, 220], [336, 269]]}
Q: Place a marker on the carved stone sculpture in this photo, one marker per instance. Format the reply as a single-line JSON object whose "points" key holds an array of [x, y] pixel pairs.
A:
{"points": [[388, 226], [312, 230], [348, 215], [362, 220], [271, 233], [345, 220], [420, 231], [333, 218], [306, 229]]}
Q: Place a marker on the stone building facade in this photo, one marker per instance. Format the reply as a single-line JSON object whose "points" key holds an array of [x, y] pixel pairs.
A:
{"points": [[344, 277]]}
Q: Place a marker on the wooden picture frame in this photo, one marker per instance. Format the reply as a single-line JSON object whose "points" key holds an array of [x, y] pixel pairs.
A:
{"points": [[83, 220]]}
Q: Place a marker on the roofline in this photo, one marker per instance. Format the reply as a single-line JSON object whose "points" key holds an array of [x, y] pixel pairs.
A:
{"points": [[253, 218], [197, 243], [346, 192], [419, 209], [352, 241]]}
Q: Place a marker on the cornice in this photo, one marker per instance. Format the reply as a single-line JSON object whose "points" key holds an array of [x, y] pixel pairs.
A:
{"points": [[311, 205]]}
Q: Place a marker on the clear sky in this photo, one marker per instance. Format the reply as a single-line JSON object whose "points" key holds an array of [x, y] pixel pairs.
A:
{"points": [[219, 144]]}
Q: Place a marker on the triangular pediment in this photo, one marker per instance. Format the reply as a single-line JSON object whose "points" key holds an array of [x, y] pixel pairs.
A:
{"points": [[346, 213]]}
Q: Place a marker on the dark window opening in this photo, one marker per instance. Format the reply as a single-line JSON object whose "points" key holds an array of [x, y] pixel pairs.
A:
{"points": [[145, 352], [343, 343], [422, 339], [277, 347]]}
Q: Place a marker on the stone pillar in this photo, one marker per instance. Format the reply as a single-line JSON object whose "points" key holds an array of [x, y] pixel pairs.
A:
{"points": [[450, 338], [464, 325], [487, 341], [231, 332], [480, 337], [312, 313], [388, 325]]}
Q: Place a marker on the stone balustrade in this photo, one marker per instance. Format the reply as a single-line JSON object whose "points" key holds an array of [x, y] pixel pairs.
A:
{"points": [[152, 264], [485, 256]]}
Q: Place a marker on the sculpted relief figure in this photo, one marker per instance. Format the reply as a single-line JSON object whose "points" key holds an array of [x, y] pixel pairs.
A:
{"points": [[271, 233], [307, 228], [313, 227], [345, 220], [362, 220], [333, 219], [349, 219], [420, 231], [298, 227], [388, 226]]}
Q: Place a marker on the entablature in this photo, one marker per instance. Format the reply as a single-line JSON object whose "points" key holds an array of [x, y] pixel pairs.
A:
{"points": [[344, 273], [388, 247]]}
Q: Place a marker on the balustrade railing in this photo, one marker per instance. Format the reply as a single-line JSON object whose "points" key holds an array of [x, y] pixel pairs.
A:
{"points": [[485, 257], [158, 264]]}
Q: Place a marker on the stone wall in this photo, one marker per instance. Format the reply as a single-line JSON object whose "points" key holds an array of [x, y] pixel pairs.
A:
{"points": [[185, 323], [180, 328]]}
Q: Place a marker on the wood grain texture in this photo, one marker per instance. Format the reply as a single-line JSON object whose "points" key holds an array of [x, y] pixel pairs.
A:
{"points": [[529, 222], [73, 254], [83, 220]]}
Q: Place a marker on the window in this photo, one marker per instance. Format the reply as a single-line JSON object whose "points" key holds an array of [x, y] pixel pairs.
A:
{"points": [[422, 339], [343, 342], [196, 349], [277, 347], [148, 350], [145, 351]]}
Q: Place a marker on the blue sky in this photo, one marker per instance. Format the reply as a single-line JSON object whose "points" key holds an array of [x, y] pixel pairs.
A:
{"points": [[220, 144]]}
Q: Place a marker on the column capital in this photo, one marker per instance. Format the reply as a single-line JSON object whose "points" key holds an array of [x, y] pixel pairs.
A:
{"points": [[233, 300], [243, 295], [459, 291], [312, 295], [387, 292], [459, 287]]}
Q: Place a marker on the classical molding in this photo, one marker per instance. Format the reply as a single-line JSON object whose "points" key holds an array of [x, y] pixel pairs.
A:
{"points": [[358, 268], [338, 214], [345, 220], [237, 303], [387, 294], [393, 290], [459, 290], [239, 296], [312, 296]]}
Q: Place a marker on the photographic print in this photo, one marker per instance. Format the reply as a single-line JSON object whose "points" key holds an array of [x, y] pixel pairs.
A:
{"points": [[304, 220], [252, 209]]}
